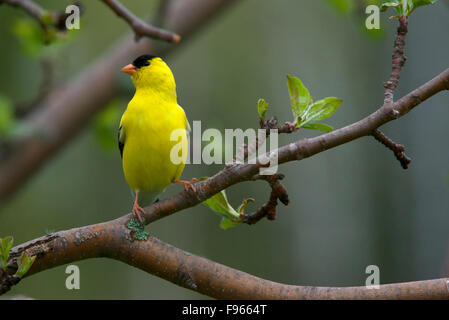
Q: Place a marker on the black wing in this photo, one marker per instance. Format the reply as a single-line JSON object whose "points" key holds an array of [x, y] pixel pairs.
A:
{"points": [[121, 142]]}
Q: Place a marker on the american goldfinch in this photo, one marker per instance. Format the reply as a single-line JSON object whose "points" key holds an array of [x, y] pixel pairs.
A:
{"points": [[145, 130]]}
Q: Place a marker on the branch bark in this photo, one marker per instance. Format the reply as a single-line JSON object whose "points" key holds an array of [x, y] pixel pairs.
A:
{"points": [[398, 60], [112, 240], [68, 108], [398, 149]]}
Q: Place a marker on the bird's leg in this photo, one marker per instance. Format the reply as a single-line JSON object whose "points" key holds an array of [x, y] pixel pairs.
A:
{"points": [[137, 209], [187, 184]]}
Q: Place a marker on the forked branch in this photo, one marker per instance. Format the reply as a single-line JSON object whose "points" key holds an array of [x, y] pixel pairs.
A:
{"points": [[398, 61], [140, 27]]}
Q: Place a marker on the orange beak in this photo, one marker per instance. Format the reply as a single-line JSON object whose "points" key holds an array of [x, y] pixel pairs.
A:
{"points": [[129, 69]]}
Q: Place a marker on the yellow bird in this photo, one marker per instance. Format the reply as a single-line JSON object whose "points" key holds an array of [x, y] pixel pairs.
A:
{"points": [[145, 130]]}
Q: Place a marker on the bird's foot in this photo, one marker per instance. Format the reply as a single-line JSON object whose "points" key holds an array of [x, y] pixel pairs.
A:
{"points": [[138, 211], [187, 184]]}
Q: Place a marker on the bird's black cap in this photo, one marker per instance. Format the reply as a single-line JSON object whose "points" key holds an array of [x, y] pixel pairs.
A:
{"points": [[143, 60]]}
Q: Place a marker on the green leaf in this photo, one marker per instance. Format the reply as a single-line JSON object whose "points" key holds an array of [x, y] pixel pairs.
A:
{"points": [[413, 4], [405, 7], [220, 204], [391, 4], [320, 110], [299, 96], [24, 264], [227, 223], [262, 107], [5, 248], [318, 126], [106, 123]]}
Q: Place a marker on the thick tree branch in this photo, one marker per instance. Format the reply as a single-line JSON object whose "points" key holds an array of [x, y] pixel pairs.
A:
{"points": [[112, 240], [68, 108], [140, 27]]}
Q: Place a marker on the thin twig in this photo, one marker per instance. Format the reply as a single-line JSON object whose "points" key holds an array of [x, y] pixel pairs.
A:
{"points": [[278, 191], [398, 61], [268, 125], [268, 210], [398, 149], [140, 27]]}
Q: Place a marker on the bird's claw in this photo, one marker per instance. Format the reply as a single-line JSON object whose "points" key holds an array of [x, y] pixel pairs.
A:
{"points": [[188, 184], [138, 211]]}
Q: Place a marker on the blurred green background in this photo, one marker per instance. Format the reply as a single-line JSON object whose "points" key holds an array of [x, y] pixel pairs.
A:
{"points": [[351, 206]]}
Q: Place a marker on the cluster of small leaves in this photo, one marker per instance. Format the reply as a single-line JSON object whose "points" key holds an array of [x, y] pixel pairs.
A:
{"points": [[404, 8], [24, 262], [138, 229], [307, 112], [219, 204]]}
